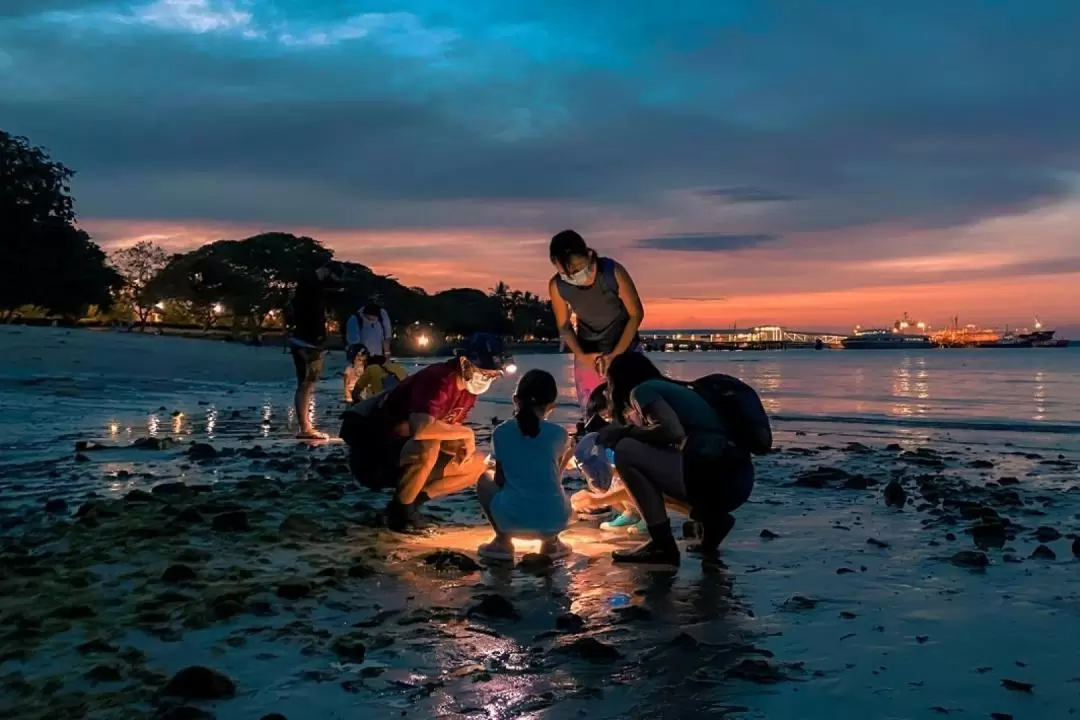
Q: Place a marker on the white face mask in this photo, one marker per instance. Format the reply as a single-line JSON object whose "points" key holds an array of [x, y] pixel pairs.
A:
{"points": [[580, 278], [478, 384]]}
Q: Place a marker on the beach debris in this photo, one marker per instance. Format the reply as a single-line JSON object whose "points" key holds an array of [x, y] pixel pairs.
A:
{"points": [[294, 589], [844, 571], [858, 482], [767, 534], [895, 495], [799, 603], [178, 573], [56, 506], [989, 533], [350, 647], [877, 543], [1047, 534], [495, 606], [856, 447], [231, 521], [1017, 686], [820, 477], [588, 648], [451, 560], [971, 559], [848, 615], [199, 683], [569, 622], [1044, 553], [981, 464], [537, 563], [202, 451], [894, 447], [1008, 480]]}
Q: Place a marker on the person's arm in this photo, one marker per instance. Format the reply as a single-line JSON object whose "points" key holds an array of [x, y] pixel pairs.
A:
{"points": [[660, 425], [500, 476], [425, 427], [561, 308], [568, 453], [628, 294], [352, 330], [388, 332]]}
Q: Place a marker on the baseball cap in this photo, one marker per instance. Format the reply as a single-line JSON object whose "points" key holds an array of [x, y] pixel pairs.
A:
{"points": [[487, 352]]}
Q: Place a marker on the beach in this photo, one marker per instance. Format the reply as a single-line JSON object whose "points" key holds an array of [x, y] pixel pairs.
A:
{"points": [[910, 551]]}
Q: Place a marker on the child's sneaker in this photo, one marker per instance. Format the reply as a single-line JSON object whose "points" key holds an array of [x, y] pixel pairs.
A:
{"points": [[497, 550], [623, 520], [555, 549], [639, 528]]}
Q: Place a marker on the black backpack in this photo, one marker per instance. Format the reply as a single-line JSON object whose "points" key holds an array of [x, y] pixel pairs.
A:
{"points": [[740, 409]]}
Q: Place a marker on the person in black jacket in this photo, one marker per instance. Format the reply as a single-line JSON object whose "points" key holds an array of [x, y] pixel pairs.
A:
{"points": [[306, 317]]}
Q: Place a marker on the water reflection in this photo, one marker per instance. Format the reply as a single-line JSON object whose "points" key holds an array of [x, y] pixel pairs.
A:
{"points": [[264, 424], [911, 382], [1038, 396], [152, 424], [211, 421], [177, 423]]}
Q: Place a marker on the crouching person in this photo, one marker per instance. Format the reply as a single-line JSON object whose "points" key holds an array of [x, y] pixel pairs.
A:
{"points": [[413, 438], [524, 497]]}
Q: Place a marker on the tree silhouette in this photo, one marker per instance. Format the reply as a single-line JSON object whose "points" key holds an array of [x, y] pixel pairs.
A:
{"points": [[139, 264], [48, 262]]}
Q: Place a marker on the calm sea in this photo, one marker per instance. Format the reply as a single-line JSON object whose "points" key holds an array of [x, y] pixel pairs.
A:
{"points": [[58, 386]]}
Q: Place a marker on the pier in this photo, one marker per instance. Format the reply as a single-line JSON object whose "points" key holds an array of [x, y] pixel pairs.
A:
{"points": [[762, 337]]}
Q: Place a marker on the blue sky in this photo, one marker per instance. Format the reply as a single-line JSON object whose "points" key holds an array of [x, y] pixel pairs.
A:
{"points": [[722, 150]]}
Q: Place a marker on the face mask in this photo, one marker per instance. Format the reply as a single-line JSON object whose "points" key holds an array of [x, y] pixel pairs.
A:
{"points": [[478, 384], [580, 278]]}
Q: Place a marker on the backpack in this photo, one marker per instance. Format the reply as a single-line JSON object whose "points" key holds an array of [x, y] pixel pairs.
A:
{"points": [[390, 381], [359, 315], [740, 409]]}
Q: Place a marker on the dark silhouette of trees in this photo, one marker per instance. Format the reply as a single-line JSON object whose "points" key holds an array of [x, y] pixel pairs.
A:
{"points": [[138, 265], [48, 262]]}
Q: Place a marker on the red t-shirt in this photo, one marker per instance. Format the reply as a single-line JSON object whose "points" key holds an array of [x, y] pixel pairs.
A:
{"points": [[432, 391]]}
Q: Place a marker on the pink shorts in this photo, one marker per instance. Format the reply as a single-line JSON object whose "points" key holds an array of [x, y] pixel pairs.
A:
{"points": [[586, 379]]}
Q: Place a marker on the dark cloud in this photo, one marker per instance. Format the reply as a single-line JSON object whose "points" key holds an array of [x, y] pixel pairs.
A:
{"points": [[705, 242], [745, 195], [923, 114]]}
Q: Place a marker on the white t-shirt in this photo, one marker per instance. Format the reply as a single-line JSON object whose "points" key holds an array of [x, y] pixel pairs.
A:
{"points": [[369, 334]]}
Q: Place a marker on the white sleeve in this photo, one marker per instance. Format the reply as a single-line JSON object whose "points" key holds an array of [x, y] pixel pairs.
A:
{"points": [[352, 330]]}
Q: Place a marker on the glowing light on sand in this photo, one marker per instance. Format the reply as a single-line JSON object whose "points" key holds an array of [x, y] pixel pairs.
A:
{"points": [[423, 341], [511, 369]]}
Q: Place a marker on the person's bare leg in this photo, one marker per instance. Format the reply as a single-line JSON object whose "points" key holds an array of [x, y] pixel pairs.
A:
{"points": [[302, 406], [501, 547], [456, 477], [350, 383], [418, 459]]}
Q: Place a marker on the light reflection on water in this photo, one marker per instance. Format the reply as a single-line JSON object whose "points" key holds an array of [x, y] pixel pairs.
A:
{"points": [[211, 421]]}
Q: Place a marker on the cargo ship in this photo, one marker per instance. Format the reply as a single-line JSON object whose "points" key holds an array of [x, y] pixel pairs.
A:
{"points": [[1031, 339], [881, 339]]}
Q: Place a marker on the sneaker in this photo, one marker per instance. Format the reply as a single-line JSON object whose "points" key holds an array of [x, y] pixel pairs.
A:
{"points": [[651, 553], [555, 549], [622, 520], [497, 550], [639, 528]]}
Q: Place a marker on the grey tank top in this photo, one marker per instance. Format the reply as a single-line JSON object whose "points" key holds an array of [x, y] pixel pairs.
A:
{"points": [[601, 315]]}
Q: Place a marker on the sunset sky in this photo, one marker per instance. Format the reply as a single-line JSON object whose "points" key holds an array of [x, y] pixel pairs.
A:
{"points": [[815, 164]]}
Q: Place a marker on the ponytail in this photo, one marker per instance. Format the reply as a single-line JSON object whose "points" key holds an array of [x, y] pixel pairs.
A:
{"points": [[528, 421]]}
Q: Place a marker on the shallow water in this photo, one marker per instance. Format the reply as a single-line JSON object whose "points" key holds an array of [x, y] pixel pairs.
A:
{"points": [[895, 632]]}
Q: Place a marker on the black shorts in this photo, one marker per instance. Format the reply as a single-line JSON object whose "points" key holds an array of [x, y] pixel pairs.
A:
{"points": [[309, 364]]}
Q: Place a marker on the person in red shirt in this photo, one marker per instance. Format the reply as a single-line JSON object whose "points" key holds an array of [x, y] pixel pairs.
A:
{"points": [[414, 438]]}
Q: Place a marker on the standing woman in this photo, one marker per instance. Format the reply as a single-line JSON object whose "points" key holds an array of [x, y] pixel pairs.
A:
{"points": [[601, 295]]}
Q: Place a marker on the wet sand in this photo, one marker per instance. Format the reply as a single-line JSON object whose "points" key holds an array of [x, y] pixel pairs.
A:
{"points": [[224, 544], [934, 595]]}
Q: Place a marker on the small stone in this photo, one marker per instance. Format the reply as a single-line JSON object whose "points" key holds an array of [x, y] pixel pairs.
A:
{"points": [[138, 496], [856, 447], [171, 490], [183, 712], [921, 639], [857, 482], [80, 458], [276, 716], [1000, 716], [756, 671], [1044, 553], [589, 648], [350, 647], [970, 559], [56, 506], [152, 443], [877, 543], [895, 495], [894, 447], [767, 534], [294, 589], [495, 606], [1047, 534], [844, 571], [199, 683], [799, 602], [231, 521], [299, 525], [1008, 480], [951, 537], [1017, 686], [981, 464], [847, 615], [360, 570], [447, 560], [104, 674], [178, 574], [202, 451], [569, 622]]}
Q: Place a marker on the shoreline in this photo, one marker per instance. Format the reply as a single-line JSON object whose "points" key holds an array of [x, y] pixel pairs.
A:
{"points": [[267, 564]]}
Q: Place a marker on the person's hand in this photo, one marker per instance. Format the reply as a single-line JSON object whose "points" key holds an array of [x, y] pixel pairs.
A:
{"points": [[603, 363], [610, 436], [581, 501], [466, 449], [590, 360]]}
